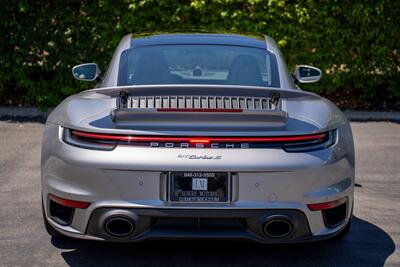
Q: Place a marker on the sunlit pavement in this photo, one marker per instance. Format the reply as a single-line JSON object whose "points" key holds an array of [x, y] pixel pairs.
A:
{"points": [[372, 240]]}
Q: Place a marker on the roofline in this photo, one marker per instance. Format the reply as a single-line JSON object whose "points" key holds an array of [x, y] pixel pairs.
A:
{"points": [[269, 42], [254, 35]]}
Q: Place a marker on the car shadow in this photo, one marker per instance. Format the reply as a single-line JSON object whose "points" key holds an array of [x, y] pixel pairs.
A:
{"points": [[365, 245]]}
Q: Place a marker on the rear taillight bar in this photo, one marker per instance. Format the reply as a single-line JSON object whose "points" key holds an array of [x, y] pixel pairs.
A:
{"points": [[131, 138], [107, 142]]}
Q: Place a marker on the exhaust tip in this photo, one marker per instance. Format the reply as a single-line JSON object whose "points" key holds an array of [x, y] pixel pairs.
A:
{"points": [[278, 228], [119, 226]]}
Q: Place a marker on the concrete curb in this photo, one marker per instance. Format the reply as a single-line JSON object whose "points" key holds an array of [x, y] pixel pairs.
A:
{"points": [[393, 116], [24, 114]]}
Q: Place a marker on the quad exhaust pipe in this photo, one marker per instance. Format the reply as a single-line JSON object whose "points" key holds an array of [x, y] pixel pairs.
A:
{"points": [[119, 226], [278, 227]]}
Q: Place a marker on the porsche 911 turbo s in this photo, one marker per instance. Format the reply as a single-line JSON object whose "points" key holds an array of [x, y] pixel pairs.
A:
{"points": [[197, 136]]}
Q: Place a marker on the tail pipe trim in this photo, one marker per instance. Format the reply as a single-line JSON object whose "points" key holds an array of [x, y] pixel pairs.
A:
{"points": [[279, 227]]}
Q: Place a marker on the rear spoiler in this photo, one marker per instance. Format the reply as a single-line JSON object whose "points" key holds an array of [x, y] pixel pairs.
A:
{"points": [[196, 89], [274, 116]]}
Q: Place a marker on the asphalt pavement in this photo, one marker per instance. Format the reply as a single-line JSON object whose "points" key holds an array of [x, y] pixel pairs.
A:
{"points": [[373, 240]]}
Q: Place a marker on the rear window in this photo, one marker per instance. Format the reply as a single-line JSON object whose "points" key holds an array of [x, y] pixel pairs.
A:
{"points": [[198, 64]]}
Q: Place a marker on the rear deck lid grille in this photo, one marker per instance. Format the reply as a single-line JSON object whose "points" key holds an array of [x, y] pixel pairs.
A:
{"points": [[201, 102]]}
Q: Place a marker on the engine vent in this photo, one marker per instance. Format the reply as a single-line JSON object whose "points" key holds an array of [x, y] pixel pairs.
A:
{"points": [[202, 102]]}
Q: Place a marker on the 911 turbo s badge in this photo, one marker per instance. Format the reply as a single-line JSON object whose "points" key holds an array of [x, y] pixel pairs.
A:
{"points": [[192, 156]]}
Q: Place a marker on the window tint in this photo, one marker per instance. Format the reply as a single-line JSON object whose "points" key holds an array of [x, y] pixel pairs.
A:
{"points": [[198, 64]]}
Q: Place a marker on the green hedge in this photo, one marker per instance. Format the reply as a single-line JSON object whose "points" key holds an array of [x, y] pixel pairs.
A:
{"points": [[356, 43]]}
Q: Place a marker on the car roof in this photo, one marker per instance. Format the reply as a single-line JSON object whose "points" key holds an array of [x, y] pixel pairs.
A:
{"points": [[148, 39]]}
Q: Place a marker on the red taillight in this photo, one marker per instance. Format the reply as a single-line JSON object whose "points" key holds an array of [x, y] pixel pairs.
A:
{"points": [[69, 203], [272, 139], [326, 205], [129, 138]]}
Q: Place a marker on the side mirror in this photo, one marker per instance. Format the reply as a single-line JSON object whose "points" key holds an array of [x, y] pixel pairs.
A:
{"points": [[86, 72], [307, 74]]}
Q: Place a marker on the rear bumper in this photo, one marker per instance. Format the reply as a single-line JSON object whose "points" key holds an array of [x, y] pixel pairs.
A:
{"points": [[198, 224]]}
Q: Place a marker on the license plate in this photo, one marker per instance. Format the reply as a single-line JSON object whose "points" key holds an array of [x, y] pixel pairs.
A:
{"points": [[200, 187]]}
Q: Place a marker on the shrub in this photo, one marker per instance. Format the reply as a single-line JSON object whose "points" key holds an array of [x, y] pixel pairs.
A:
{"points": [[355, 43]]}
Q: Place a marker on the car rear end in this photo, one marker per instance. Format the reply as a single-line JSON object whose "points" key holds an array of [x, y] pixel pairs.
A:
{"points": [[232, 170], [197, 136]]}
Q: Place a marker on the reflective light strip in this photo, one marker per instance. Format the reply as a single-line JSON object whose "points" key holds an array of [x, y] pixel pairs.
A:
{"points": [[199, 110], [129, 138], [69, 203], [326, 205]]}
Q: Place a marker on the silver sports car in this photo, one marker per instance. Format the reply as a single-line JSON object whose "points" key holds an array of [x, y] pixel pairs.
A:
{"points": [[203, 136]]}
